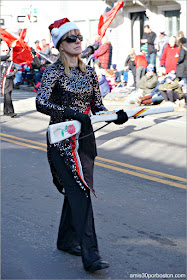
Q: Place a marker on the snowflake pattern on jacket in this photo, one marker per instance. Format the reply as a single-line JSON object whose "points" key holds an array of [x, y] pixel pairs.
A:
{"points": [[80, 92]]}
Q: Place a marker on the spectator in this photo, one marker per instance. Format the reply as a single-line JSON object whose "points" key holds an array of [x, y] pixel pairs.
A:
{"points": [[104, 55], [171, 90], [18, 76], [104, 86], [180, 36], [98, 69], [45, 48], [96, 51], [130, 64], [144, 49], [182, 63], [117, 73], [181, 42], [170, 55], [155, 97], [185, 98], [103, 83], [160, 43], [148, 81], [141, 65], [110, 76], [37, 47], [149, 37]]}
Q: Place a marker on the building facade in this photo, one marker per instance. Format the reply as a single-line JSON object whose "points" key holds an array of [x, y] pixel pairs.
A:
{"points": [[124, 33]]}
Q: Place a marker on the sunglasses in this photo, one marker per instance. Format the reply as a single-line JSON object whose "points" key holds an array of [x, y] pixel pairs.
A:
{"points": [[73, 38]]}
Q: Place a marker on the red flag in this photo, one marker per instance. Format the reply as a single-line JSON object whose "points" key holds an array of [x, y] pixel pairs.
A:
{"points": [[23, 33], [106, 19], [21, 50]]}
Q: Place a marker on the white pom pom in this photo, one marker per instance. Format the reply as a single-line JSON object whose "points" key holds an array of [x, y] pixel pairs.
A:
{"points": [[55, 32]]}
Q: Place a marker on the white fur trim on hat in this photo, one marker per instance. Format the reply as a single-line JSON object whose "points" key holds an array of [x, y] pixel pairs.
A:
{"points": [[58, 33]]}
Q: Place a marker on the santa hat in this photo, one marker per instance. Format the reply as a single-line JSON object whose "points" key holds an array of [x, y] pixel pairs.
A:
{"points": [[59, 28]]}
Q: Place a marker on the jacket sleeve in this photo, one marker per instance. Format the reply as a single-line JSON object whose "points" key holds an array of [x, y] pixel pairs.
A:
{"points": [[127, 60], [166, 85], [12, 72], [181, 56], [162, 86], [151, 83], [102, 50], [163, 57], [43, 103], [174, 85], [142, 82], [96, 104]]}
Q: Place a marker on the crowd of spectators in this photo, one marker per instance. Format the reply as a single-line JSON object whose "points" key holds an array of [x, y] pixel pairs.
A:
{"points": [[151, 84]]}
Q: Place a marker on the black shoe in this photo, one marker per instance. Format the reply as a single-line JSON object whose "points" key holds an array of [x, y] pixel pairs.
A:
{"points": [[76, 251], [97, 265], [12, 115], [16, 87]]}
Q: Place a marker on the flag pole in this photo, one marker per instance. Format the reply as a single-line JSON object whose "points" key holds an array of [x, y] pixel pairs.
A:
{"points": [[44, 57]]}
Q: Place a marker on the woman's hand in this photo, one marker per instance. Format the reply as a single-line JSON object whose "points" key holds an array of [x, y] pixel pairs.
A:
{"points": [[81, 117], [85, 122], [122, 117]]}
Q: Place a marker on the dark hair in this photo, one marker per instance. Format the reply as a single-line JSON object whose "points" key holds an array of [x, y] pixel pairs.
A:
{"points": [[182, 40], [147, 26]]}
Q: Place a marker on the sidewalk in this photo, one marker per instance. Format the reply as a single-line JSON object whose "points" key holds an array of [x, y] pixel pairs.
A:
{"points": [[25, 87], [116, 100]]}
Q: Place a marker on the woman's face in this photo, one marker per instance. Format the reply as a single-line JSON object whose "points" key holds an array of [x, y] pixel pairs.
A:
{"points": [[72, 49]]}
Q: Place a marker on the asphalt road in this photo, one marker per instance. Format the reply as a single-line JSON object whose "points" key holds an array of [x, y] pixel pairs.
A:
{"points": [[140, 212]]}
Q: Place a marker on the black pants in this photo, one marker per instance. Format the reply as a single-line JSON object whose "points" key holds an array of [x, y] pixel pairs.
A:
{"points": [[77, 222], [8, 106], [170, 95]]}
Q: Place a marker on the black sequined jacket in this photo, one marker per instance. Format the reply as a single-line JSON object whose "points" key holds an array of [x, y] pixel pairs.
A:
{"points": [[80, 92]]}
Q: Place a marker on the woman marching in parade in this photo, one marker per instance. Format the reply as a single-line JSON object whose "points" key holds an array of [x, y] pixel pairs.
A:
{"points": [[70, 91]]}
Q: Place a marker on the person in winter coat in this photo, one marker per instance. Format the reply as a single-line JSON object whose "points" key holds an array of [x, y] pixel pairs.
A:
{"points": [[155, 97], [70, 91], [170, 56], [104, 86], [130, 64], [111, 78], [171, 90], [8, 71], [149, 37], [104, 55], [160, 43], [45, 48], [141, 65], [103, 83], [37, 47], [182, 63], [149, 81]]}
